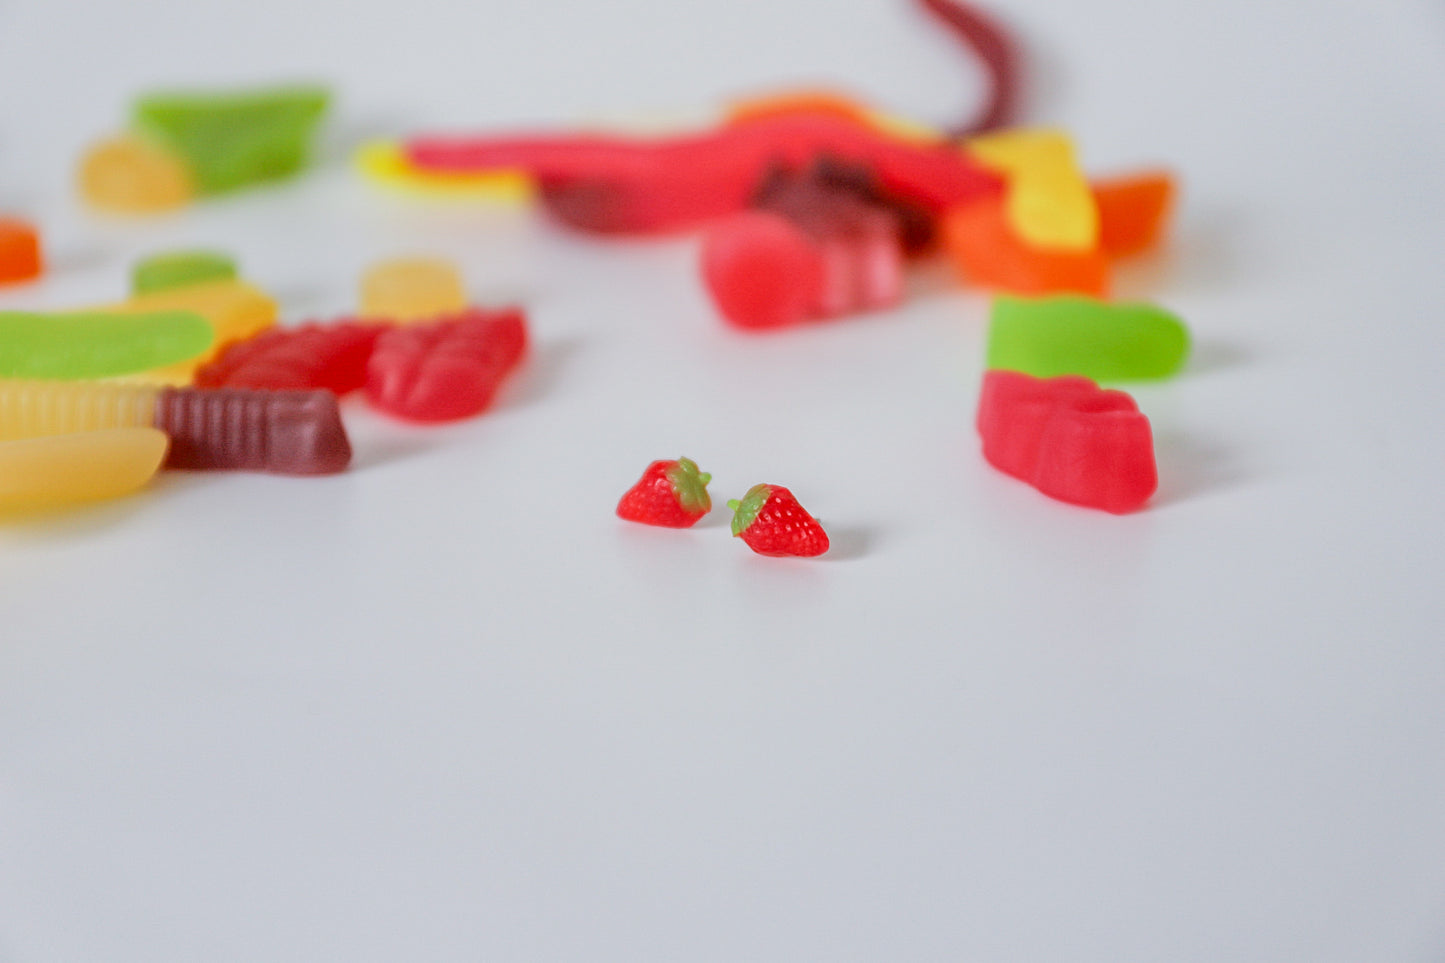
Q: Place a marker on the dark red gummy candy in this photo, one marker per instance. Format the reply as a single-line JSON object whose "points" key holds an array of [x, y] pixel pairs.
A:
{"points": [[446, 369], [1069, 438], [235, 429], [331, 356]]}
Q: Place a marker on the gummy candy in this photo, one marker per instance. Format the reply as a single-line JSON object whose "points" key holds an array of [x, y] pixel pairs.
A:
{"points": [[1072, 335], [331, 356], [387, 164], [446, 369], [818, 246], [986, 252], [39, 473], [1048, 201], [1133, 211], [235, 310], [19, 251], [134, 175], [178, 269], [1069, 439], [235, 429], [230, 140], [94, 344], [29, 409], [626, 185], [284, 432], [412, 289], [770, 520], [671, 494]]}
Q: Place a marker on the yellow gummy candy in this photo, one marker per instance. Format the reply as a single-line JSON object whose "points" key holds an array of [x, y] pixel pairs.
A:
{"points": [[1049, 203], [411, 289], [64, 469], [384, 163], [131, 175], [235, 309], [33, 409]]}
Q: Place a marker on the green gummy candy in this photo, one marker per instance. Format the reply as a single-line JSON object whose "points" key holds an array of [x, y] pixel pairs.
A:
{"points": [[235, 139], [176, 269], [98, 344], [1047, 337]]}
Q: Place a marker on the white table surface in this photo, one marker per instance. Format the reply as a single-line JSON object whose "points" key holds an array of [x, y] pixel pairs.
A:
{"points": [[447, 707]]}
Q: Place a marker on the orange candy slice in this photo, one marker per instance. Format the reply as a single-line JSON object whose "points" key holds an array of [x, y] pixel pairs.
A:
{"points": [[986, 251], [19, 251], [1133, 211]]}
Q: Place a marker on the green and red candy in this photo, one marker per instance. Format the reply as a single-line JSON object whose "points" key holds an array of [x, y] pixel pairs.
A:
{"points": [[772, 523], [672, 494]]}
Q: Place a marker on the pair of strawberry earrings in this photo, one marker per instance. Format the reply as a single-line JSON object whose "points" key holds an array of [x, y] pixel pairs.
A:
{"points": [[768, 518]]}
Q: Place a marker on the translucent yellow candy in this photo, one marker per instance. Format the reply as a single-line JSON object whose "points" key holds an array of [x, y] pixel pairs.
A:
{"points": [[235, 309], [131, 175], [384, 163], [411, 289], [33, 409], [63, 469], [1049, 203]]}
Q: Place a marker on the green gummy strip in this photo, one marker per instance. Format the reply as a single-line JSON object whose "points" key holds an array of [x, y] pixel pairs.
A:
{"points": [[96, 344], [235, 139], [1047, 337], [175, 269]]}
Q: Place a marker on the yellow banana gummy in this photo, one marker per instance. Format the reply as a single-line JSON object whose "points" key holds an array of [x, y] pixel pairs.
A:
{"points": [[37, 473]]}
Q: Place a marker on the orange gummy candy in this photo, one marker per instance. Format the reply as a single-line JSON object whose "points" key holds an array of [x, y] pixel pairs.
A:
{"points": [[19, 251], [1133, 210], [793, 102], [987, 252]]}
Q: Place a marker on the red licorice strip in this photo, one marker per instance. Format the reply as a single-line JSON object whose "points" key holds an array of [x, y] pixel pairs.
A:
{"points": [[446, 369], [632, 185], [991, 43], [331, 356]]}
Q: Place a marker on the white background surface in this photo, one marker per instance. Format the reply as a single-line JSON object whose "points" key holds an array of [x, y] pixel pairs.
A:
{"points": [[447, 707]]}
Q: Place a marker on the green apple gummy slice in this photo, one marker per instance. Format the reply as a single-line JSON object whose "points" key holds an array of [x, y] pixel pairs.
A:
{"points": [[97, 344], [175, 269], [234, 139], [745, 512], [1047, 337]]}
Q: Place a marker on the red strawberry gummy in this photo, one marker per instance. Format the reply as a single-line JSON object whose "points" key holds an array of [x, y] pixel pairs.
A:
{"points": [[772, 523], [670, 493], [1069, 438], [331, 356], [446, 369]]}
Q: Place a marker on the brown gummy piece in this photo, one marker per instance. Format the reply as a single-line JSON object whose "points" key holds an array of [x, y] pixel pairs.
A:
{"points": [[236, 429]]}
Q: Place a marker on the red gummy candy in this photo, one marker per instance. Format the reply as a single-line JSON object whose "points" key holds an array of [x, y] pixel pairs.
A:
{"points": [[331, 356], [825, 242], [445, 369], [1069, 438], [20, 258]]}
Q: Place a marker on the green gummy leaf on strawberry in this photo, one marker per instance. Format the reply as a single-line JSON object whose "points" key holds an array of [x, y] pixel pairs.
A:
{"points": [[672, 494], [770, 520]]}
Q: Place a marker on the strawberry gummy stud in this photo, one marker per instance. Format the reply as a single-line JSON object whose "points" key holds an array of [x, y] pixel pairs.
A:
{"points": [[771, 522], [672, 494]]}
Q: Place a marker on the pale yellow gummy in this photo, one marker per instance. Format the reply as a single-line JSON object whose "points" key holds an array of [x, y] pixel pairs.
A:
{"points": [[131, 175], [38, 473], [1048, 201], [235, 309], [411, 289], [385, 164], [33, 409]]}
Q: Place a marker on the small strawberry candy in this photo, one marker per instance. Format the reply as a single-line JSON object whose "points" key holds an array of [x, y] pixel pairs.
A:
{"points": [[772, 522], [670, 493]]}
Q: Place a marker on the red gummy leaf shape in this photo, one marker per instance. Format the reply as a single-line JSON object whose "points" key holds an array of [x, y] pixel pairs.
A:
{"points": [[331, 356], [447, 369], [1069, 438]]}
